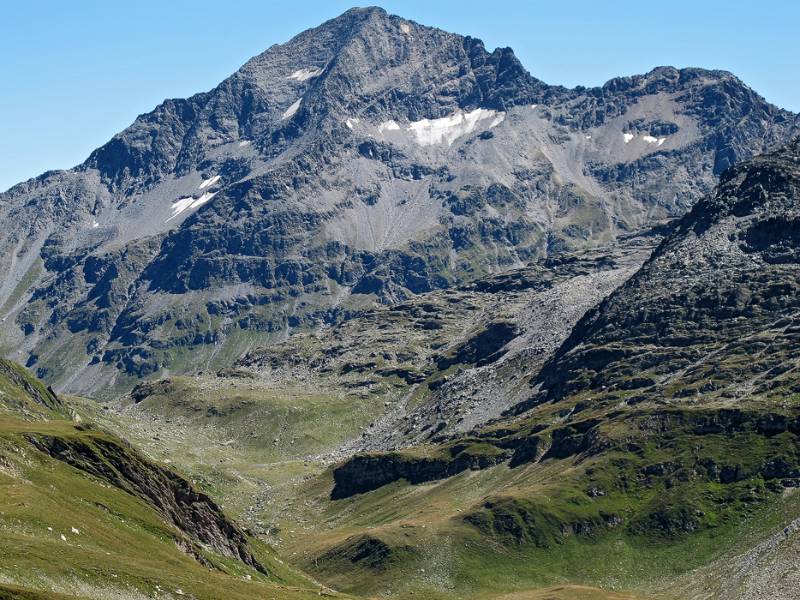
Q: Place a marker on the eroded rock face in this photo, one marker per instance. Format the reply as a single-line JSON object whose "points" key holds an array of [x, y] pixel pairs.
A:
{"points": [[366, 160], [367, 472]]}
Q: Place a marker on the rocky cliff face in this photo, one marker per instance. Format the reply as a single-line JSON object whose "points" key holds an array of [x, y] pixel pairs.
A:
{"points": [[364, 161]]}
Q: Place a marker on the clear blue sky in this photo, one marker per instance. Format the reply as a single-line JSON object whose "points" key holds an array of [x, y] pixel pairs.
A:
{"points": [[76, 72]]}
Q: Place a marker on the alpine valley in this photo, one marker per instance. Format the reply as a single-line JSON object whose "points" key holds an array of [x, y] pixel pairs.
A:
{"points": [[382, 315]]}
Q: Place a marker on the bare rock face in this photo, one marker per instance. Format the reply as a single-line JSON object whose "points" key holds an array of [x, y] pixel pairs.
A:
{"points": [[364, 161]]}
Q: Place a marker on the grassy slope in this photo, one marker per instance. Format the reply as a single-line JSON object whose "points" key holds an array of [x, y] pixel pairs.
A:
{"points": [[122, 548], [431, 548], [35, 402], [242, 443]]}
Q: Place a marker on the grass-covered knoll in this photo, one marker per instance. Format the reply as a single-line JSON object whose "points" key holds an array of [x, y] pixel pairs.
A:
{"points": [[12, 592], [23, 395], [567, 592]]}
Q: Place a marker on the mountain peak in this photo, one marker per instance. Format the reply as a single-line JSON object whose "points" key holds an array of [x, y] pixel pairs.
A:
{"points": [[367, 63]]}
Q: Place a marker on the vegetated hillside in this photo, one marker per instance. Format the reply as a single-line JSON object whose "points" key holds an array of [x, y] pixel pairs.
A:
{"points": [[364, 161], [84, 514]]}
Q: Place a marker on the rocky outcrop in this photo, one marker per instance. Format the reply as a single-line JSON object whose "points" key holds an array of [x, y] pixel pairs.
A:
{"points": [[366, 551], [367, 472], [526, 442], [482, 348]]}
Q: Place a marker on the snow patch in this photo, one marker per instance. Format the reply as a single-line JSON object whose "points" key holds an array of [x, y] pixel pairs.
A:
{"points": [[290, 112], [405, 28], [429, 132], [305, 74], [588, 137], [497, 120], [76, 531], [95, 224], [388, 126], [203, 199], [179, 206], [209, 182], [628, 137], [189, 203], [244, 143], [351, 122], [653, 140], [63, 538]]}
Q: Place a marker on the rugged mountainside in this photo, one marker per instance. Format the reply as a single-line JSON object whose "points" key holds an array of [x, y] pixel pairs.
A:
{"points": [[654, 446], [670, 412], [449, 360], [364, 161], [714, 314], [710, 321], [539, 336]]}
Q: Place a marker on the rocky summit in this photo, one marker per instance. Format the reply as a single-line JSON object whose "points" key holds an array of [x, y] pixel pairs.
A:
{"points": [[361, 163], [384, 315]]}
